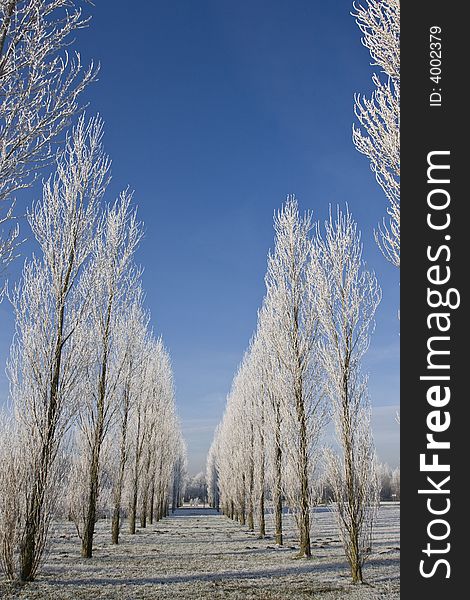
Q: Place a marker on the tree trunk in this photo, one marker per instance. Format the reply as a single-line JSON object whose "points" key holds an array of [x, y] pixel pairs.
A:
{"points": [[355, 557], [277, 492], [33, 541], [174, 500], [354, 551], [149, 477], [36, 525], [251, 510], [28, 548], [90, 518], [116, 524], [251, 481], [135, 476], [262, 520], [151, 503], [143, 514], [159, 504], [242, 515], [133, 509], [305, 548], [144, 506]]}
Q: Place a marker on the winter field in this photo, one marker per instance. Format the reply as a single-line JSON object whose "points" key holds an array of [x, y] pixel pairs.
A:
{"points": [[199, 554], [90, 423]]}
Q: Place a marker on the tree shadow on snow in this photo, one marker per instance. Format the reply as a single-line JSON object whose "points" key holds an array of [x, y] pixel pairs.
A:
{"points": [[310, 567]]}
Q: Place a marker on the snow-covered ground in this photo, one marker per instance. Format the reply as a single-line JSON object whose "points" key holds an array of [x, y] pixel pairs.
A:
{"points": [[198, 554]]}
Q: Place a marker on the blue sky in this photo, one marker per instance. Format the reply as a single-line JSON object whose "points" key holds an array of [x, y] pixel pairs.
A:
{"points": [[214, 111]]}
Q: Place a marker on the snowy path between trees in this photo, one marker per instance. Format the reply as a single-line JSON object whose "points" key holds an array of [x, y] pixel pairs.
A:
{"points": [[199, 554]]}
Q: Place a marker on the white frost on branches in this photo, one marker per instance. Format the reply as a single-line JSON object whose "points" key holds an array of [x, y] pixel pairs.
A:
{"points": [[348, 298], [48, 356], [378, 134], [40, 82], [82, 362], [302, 365]]}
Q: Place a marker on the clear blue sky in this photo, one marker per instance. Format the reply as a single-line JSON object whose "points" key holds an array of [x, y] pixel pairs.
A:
{"points": [[214, 111]]}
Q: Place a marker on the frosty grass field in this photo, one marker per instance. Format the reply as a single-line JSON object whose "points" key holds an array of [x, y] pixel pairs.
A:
{"points": [[198, 554]]}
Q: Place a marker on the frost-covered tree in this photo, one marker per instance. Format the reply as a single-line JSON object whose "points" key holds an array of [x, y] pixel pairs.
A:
{"points": [[40, 82], [142, 466], [378, 133], [138, 434], [271, 399], [395, 484], [245, 390], [167, 448], [304, 363], [261, 407], [275, 411], [346, 303], [10, 499], [156, 447], [291, 293], [212, 478], [161, 433], [180, 468], [108, 280], [384, 473], [235, 451], [197, 489], [233, 473], [131, 331], [47, 356]]}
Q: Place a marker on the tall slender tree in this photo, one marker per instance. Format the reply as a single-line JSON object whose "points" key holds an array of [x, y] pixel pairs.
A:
{"points": [[347, 301], [270, 366], [212, 477], [138, 434], [111, 275], [47, 357], [133, 329], [291, 294]]}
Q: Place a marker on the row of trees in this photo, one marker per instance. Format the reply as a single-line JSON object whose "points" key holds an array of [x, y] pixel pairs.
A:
{"points": [[92, 393], [303, 367], [196, 489], [92, 423], [389, 483]]}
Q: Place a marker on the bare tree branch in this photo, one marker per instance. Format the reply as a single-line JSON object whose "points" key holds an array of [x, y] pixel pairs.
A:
{"points": [[378, 134], [40, 83]]}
